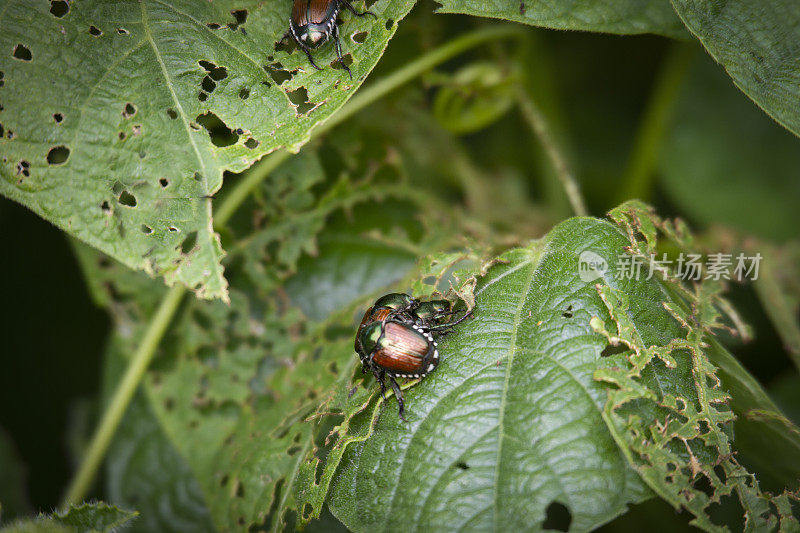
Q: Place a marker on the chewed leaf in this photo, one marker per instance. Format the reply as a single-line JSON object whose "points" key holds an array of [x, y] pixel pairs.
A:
{"points": [[611, 16], [144, 105]]}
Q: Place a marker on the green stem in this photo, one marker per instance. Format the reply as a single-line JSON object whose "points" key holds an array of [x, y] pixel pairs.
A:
{"points": [[112, 416], [538, 123], [638, 179], [82, 481]]}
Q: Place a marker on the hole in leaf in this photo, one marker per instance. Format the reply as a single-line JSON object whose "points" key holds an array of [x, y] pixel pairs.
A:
{"points": [[360, 37], [129, 110], [244, 93], [224, 480], [389, 24], [95, 31], [202, 96], [163, 182], [336, 64], [171, 113], [58, 117], [1, 131], [59, 8], [613, 349], [251, 143], [123, 31], [147, 230], [122, 136], [299, 98], [239, 490], [22, 52], [23, 167], [241, 17], [169, 404], [10, 134], [702, 484], [197, 176], [462, 465], [557, 517], [293, 450], [127, 199], [278, 73], [213, 26], [105, 206], [173, 229], [208, 84], [137, 129], [189, 242], [220, 134], [57, 155], [567, 312]]}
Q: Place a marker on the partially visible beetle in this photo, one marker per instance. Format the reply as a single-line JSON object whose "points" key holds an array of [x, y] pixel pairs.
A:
{"points": [[395, 339], [313, 22]]}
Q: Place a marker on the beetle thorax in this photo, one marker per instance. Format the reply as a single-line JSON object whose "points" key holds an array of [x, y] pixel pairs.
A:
{"points": [[313, 37]]}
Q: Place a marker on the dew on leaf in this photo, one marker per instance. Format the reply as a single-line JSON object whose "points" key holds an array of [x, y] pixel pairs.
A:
{"points": [[127, 199], [557, 517], [58, 155], [59, 8], [95, 31], [22, 52]]}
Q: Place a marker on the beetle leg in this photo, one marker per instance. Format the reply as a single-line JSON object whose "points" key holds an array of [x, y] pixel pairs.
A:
{"points": [[379, 377], [451, 324], [399, 394], [339, 50], [310, 59], [350, 7]]}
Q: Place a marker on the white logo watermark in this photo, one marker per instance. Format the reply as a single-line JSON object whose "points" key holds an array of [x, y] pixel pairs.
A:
{"points": [[687, 267], [591, 266]]}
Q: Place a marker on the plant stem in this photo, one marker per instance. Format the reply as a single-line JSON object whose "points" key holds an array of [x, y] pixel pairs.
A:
{"points": [[537, 122], [638, 179], [82, 481], [122, 396]]}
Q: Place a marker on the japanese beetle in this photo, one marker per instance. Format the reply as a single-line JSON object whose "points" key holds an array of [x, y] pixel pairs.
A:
{"points": [[397, 349], [395, 338], [313, 22]]}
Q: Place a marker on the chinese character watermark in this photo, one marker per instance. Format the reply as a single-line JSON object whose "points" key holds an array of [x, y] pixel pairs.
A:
{"points": [[687, 267]]}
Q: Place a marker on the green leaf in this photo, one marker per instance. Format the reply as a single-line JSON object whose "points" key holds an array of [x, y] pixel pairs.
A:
{"points": [[511, 422], [610, 16], [711, 163], [86, 518], [758, 44], [144, 470], [117, 118]]}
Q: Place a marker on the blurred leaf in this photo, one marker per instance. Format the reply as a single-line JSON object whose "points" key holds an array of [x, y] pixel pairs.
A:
{"points": [[117, 118], [726, 163], [758, 43], [144, 471], [86, 518], [474, 97], [13, 492], [611, 16]]}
